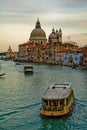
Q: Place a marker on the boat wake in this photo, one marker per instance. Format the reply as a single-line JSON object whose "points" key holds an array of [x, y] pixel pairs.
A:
{"points": [[79, 116], [81, 102], [28, 107], [17, 111]]}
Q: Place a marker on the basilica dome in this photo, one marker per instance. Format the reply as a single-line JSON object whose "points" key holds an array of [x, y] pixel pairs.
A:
{"points": [[38, 35]]}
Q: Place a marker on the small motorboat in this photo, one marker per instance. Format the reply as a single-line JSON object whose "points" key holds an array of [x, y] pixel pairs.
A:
{"points": [[2, 74], [28, 69], [57, 100]]}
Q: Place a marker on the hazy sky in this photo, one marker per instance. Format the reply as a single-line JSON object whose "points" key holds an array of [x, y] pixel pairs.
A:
{"points": [[18, 19]]}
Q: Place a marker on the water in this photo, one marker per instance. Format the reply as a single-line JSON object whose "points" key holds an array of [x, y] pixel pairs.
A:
{"points": [[20, 97]]}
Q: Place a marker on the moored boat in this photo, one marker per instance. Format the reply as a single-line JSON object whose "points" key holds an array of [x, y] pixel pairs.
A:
{"points": [[57, 100], [2, 74], [28, 69]]}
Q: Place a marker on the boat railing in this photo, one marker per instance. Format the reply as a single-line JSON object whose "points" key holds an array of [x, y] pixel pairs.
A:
{"points": [[28, 67]]}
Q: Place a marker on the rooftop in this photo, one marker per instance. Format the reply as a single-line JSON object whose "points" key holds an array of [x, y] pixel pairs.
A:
{"points": [[57, 91]]}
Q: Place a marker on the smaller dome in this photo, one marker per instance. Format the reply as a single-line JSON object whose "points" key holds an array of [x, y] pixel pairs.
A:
{"points": [[53, 35]]}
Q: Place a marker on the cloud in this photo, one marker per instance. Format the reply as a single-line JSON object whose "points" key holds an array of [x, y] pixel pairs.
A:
{"points": [[41, 5], [53, 18], [79, 38], [70, 15]]}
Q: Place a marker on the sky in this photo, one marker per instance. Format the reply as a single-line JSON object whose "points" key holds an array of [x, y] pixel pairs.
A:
{"points": [[18, 19]]}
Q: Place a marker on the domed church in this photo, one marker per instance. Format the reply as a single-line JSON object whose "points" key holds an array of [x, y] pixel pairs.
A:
{"points": [[39, 50], [55, 36], [38, 35]]}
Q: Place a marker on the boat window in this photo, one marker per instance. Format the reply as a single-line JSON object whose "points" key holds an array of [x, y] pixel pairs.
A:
{"points": [[53, 105], [61, 101], [69, 98], [45, 102], [62, 104], [56, 105], [53, 102]]}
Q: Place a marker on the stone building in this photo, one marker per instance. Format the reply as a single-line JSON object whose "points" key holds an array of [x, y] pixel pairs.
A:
{"points": [[84, 58], [72, 58], [10, 54], [37, 49]]}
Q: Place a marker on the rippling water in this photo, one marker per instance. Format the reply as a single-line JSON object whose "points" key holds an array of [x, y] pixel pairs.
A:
{"points": [[20, 97]]}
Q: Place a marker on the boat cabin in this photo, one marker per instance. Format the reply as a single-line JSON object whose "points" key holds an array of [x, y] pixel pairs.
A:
{"points": [[57, 100], [28, 69]]}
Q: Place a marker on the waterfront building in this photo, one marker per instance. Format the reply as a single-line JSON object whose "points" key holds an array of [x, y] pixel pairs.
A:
{"points": [[22, 52], [84, 58], [37, 49], [52, 54], [72, 58], [30, 52], [16, 56], [59, 57], [43, 54], [71, 46], [10, 53]]}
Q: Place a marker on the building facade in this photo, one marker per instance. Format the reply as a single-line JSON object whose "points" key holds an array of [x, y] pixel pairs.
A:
{"points": [[10, 54], [37, 49], [84, 58], [72, 58]]}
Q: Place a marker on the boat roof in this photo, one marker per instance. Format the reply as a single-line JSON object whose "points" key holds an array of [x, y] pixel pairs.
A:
{"points": [[57, 91], [28, 67]]}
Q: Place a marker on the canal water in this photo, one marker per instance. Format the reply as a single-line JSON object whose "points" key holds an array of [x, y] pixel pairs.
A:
{"points": [[20, 97]]}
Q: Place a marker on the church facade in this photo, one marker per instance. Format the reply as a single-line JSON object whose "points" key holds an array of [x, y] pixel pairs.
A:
{"points": [[10, 54]]}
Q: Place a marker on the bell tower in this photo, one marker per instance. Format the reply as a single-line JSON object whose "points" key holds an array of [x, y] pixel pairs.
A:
{"points": [[60, 35]]}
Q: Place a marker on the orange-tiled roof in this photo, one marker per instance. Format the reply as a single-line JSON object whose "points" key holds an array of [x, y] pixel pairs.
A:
{"points": [[66, 51], [82, 49]]}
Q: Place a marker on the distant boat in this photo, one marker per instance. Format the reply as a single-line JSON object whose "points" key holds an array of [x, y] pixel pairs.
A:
{"points": [[73, 66], [17, 63], [28, 69], [57, 100], [2, 74]]}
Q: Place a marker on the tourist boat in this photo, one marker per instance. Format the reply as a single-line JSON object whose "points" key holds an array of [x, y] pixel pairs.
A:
{"points": [[2, 74], [57, 100], [28, 69]]}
